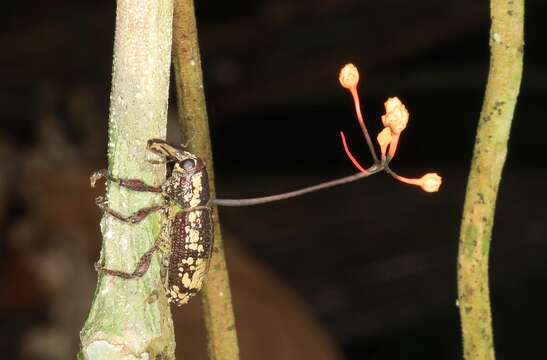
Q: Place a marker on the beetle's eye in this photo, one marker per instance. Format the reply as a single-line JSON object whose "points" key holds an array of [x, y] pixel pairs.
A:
{"points": [[188, 164]]}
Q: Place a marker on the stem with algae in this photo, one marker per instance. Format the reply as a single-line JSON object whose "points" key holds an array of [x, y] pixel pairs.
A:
{"points": [[130, 319], [506, 46]]}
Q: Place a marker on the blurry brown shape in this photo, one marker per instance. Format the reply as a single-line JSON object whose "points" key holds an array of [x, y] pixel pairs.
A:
{"points": [[272, 322], [13, 273], [56, 241]]}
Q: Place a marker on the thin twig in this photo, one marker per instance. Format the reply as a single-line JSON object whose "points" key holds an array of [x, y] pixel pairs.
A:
{"points": [[219, 316], [506, 44]]}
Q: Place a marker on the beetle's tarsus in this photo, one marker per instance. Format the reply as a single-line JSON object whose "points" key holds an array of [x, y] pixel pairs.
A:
{"points": [[97, 175], [101, 202], [131, 184]]}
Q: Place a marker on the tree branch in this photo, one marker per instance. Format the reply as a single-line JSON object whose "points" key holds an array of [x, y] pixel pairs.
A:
{"points": [[219, 316], [130, 319], [506, 43]]}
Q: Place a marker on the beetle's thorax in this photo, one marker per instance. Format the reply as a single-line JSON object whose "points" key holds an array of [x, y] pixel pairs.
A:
{"points": [[188, 189]]}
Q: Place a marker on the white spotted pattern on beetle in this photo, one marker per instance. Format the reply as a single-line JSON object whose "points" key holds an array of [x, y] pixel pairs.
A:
{"points": [[189, 230]]}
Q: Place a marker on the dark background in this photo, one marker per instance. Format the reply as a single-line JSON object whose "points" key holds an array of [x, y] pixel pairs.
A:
{"points": [[375, 261]]}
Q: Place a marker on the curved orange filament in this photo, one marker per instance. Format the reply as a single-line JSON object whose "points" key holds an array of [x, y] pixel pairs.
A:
{"points": [[405, 180], [357, 105], [350, 155]]}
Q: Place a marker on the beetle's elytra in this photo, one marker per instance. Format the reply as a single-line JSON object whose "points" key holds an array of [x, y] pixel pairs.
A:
{"points": [[187, 235], [189, 228]]}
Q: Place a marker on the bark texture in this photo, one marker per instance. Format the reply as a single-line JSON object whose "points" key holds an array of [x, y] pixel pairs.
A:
{"points": [[506, 44], [130, 319]]}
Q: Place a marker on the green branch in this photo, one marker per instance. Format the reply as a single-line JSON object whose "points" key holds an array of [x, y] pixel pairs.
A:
{"points": [[219, 316], [506, 43], [130, 319]]}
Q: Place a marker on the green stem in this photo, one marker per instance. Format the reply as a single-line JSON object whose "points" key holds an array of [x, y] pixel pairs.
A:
{"points": [[130, 319], [506, 44], [218, 312]]}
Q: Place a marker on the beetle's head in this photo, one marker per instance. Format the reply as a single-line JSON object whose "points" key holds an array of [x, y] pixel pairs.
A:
{"points": [[184, 161], [165, 150]]}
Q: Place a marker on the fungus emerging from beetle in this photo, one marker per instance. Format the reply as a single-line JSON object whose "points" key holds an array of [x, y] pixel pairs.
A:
{"points": [[395, 121], [188, 232]]}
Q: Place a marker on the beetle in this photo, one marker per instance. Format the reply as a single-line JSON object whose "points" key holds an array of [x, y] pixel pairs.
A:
{"points": [[187, 234], [186, 237]]}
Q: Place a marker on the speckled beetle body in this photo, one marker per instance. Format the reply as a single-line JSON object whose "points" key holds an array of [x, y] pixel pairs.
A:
{"points": [[189, 231]]}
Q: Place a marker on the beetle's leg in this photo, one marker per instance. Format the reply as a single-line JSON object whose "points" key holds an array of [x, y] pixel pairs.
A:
{"points": [[132, 184], [134, 218], [140, 269]]}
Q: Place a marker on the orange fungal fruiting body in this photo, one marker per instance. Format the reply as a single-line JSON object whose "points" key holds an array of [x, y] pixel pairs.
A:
{"points": [[349, 76], [431, 182], [384, 139], [396, 116]]}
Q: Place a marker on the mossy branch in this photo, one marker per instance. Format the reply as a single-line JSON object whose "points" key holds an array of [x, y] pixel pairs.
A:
{"points": [[218, 312], [130, 319], [506, 45]]}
